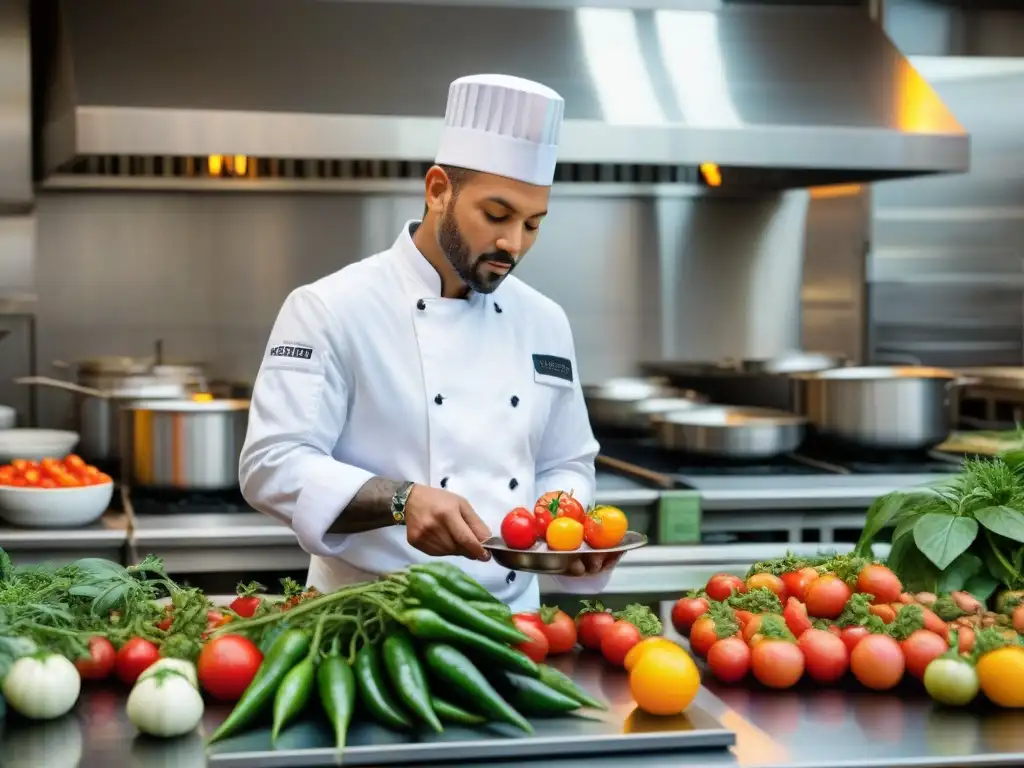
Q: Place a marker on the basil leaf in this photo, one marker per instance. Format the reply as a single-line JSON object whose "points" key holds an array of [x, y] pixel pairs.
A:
{"points": [[942, 537], [1005, 521], [879, 515], [981, 585], [959, 573], [905, 526], [915, 570]]}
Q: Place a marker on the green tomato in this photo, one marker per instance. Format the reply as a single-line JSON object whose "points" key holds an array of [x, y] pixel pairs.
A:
{"points": [[951, 681]]}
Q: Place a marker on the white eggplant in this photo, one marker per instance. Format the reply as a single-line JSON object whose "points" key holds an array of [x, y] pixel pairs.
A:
{"points": [[165, 704], [42, 686], [186, 668]]}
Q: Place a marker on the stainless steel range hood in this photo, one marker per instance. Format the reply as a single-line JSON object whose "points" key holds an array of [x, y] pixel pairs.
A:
{"points": [[783, 96]]}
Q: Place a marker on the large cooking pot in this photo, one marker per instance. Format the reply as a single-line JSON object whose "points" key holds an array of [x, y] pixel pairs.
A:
{"points": [[731, 432], [105, 384], [904, 408], [183, 444], [628, 403]]}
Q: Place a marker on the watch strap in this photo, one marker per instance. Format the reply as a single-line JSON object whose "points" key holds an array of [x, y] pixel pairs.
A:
{"points": [[399, 501]]}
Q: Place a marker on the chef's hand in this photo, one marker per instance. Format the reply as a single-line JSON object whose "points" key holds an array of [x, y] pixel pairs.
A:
{"points": [[442, 523], [593, 563]]}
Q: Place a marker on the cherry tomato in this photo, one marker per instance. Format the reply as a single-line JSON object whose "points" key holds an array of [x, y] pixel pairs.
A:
{"points": [[246, 605], [226, 666], [965, 639], [770, 582], [920, 649], [825, 655], [71, 461], [796, 582], [519, 529], [827, 596], [537, 646], [703, 634], [564, 534], [877, 662], [165, 622], [134, 658], [884, 612], [879, 581], [933, 623], [590, 627], [560, 504], [100, 662], [743, 617], [953, 682], [558, 628], [1017, 618], [729, 659], [753, 627], [617, 641], [853, 635], [777, 663], [721, 586], [795, 614], [604, 527], [686, 611]]}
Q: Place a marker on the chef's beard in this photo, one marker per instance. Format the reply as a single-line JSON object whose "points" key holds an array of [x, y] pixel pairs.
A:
{"points": [[473, 271]]}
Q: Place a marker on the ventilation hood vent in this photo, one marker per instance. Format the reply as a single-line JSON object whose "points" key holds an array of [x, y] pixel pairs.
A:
{"points": [[774, 96]]}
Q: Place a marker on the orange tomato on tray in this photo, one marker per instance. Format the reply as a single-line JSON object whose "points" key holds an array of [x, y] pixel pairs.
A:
{"points": [[604, 527], [70, 472]]}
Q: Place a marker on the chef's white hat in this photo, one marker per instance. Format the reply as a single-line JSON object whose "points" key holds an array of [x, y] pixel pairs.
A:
{"points": [[502, 125]]}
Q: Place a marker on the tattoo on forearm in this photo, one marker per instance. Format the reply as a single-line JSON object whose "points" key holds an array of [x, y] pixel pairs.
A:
{"points": [[369, 509]]}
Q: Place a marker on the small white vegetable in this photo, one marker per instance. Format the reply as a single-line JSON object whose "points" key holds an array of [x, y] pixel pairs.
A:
{"points": [[165, 704], [42, 687], [185, 668]]}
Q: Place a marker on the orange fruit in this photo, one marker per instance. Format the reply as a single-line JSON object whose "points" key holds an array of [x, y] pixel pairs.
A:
{"points": [[645, 645], [664, 682], [1001, 676]]}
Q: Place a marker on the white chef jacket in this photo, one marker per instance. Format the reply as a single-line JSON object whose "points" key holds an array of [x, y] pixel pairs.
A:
{"points": [[369, 371]]}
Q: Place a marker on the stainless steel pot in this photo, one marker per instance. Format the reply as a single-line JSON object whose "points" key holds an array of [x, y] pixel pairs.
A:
{"points": [[791, 362], [183, 444], [105, 384], [731, 432], [884, 408], [628, 403]]}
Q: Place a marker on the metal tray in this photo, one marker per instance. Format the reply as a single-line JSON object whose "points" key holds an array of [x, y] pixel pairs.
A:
{"points": [[540, 558], [621, 730]]}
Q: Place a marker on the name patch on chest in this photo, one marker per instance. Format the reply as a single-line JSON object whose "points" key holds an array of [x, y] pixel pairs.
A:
{"points": [[550, 365], [295, 351]]}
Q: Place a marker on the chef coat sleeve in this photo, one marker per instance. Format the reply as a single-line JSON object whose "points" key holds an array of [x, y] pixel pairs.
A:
{"points": [[297, 413], [565, 460]]}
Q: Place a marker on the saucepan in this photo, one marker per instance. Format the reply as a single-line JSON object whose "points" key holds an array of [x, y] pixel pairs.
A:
{"points": [[629, 403], [901, 408], [731, 432]]}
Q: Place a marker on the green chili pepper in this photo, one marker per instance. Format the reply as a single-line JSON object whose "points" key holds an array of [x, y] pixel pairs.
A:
{"points": [[453, 668], [498, 611], [562, 683], [533, 697], [447, 605], [287, 651], [427, 625], [293, 695], [408, 678], [337, 688], [374, 695], [455, 714], [456, 580]]}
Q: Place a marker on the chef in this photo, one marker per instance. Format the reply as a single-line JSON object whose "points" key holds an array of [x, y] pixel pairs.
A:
{"points": [[407, 402]]}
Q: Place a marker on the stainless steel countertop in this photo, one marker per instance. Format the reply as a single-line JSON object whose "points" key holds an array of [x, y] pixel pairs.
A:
{"points": [[790, 492], [802, 728], [109, 530]]}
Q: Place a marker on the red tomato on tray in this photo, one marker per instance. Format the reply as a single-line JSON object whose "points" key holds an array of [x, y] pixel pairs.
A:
{"points": [[519, 529], [560, 504]]}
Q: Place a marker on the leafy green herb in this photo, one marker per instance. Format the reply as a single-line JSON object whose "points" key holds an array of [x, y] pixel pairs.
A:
{"points": [[947, 609], [774, 627], [760, 600], [909, 619], [857, 613], [641, 617], [780, 565], [724, 617]]}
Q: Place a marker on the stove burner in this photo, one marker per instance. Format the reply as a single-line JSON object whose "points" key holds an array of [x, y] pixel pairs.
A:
{"points": [[172, 502]]}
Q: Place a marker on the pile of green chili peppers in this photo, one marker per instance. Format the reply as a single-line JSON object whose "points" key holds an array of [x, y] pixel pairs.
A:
{"points": [[382, 650]]}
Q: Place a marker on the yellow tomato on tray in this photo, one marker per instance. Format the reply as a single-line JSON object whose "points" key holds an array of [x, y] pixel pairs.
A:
{"points": [[605, 527], [564, 534]]}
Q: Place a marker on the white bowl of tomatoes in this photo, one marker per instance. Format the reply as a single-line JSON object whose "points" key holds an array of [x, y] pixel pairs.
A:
{"points": [[53, 493], [557, 531]]}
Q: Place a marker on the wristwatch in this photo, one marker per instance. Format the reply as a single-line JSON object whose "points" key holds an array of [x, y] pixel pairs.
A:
{"points": [[398, 502]]}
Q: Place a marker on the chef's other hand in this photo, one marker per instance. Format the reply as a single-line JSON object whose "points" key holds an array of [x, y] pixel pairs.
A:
{"points": [[593, 563], [442, 523]]}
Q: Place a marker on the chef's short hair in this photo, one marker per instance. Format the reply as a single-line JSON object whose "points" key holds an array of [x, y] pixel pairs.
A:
{"points": [[457, 177]]}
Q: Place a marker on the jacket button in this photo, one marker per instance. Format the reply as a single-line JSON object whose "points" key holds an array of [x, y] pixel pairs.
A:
{"points": [[512, 484], [444, 482], [511, 577], [514, 400], [438, 399], [421, 305], [497, 308]]}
